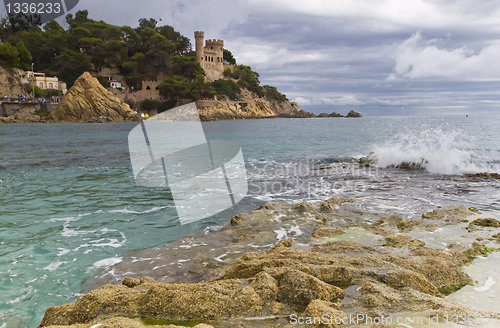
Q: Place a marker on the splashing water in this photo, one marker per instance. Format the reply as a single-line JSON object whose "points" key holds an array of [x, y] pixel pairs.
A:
{"points": [[435, 150]]}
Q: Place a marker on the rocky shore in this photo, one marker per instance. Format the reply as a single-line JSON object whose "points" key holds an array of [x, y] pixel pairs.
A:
{"points": [[268, 268]]}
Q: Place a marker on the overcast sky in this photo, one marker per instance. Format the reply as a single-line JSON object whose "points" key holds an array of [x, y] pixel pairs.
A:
{"points": [[380, 57]]}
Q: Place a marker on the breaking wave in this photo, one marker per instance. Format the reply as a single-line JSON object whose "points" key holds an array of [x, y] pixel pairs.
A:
{"points": [[435, 150]]}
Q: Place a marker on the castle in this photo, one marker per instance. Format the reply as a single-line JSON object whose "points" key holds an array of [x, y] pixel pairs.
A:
{"points": [[210, 56]]}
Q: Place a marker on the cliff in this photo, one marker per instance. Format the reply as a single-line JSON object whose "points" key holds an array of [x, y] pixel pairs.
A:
{"points": [[11, 82], [89, 101], [213, 110]]}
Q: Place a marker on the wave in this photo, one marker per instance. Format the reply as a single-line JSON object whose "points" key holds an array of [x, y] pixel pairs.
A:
{"points": [[434, 150]]}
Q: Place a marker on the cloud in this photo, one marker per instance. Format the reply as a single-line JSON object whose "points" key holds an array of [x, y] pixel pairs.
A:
{"points": [[419, 58], [345, 100]]}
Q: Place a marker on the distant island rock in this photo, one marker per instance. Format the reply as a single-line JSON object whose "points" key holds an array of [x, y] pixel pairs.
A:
{"points": [[352, 113], [89, 101]]}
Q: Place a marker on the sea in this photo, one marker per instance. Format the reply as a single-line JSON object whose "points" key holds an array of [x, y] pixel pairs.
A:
{"points": [[70, 207]]}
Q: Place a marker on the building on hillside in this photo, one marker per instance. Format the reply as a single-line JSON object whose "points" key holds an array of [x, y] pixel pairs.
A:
{"points": [[113, 76], [210, 56], [115, 84], [46, 82], [149, 89]]}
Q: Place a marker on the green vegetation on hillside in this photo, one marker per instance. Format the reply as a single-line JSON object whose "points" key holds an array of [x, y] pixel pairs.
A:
{"points": [[139, 53]]}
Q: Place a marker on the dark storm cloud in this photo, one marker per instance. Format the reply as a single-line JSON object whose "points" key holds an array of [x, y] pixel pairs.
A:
{"points": [[377, 56]]}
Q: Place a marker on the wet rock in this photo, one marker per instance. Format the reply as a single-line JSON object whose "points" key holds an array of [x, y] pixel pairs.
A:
{"points": [[327, 232], [451, 214], [304, 274], [122, 322], [403, 241], [299, 288], [323, 309], [368, 160], [265, 286], [304, 207], [489, 222], [238, 219], [131, 282], [485, 175]]}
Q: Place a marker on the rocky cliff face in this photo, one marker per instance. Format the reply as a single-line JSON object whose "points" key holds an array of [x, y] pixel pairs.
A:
{"points": [[11, 82], [212, 110], [88, 101]]}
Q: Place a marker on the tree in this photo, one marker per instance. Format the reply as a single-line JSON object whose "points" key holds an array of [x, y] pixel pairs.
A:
{"points": [[228, 57], [9, 55], [248, 79], [226, 88], [24, 22], [151, 23], [187, 67], [273, 94], [24, 56], [174, 87], [81, 17]]}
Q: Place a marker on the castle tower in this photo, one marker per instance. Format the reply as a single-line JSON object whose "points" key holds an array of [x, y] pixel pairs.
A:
{"points": [[199, 37]]}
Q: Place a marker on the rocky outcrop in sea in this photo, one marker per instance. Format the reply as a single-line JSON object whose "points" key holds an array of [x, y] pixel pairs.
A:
{"points": [[89, 101], [280, 264]]}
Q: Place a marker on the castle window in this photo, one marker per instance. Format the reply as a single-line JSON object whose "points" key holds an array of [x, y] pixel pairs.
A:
{"points": [[148, 88], [206, 58]]}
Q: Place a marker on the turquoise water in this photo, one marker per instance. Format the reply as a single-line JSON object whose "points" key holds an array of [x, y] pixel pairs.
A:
{"points": [[70, 208]]}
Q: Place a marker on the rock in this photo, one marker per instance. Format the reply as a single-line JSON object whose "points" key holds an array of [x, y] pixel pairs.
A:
{"points": [[353, 113], [101, 119], [485, 175], [131, 282], [238, 219], [333, 114], [489, 222], [327, 232], [304, 207], [299, 288], [306, 275], [451, 213], [248, 108], [323, 115], [122, 322], [367, 160], [322, 309], [88, 101], [12, 81]]}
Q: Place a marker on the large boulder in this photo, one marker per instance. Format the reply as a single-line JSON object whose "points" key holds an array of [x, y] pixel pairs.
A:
{"points": [[87, 101]]}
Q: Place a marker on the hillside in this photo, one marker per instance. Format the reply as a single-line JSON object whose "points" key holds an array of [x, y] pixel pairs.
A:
{"points": [[146, 53]]}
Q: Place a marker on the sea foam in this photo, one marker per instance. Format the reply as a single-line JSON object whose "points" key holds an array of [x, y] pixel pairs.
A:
{"points": [[435, 150]]}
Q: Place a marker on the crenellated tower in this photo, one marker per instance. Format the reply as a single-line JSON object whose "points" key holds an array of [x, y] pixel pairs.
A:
{"points": [[199, 36], [211, 56]]}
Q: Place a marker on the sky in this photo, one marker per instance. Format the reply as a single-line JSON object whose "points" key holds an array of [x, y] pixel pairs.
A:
{"points": [[379, 57]]}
